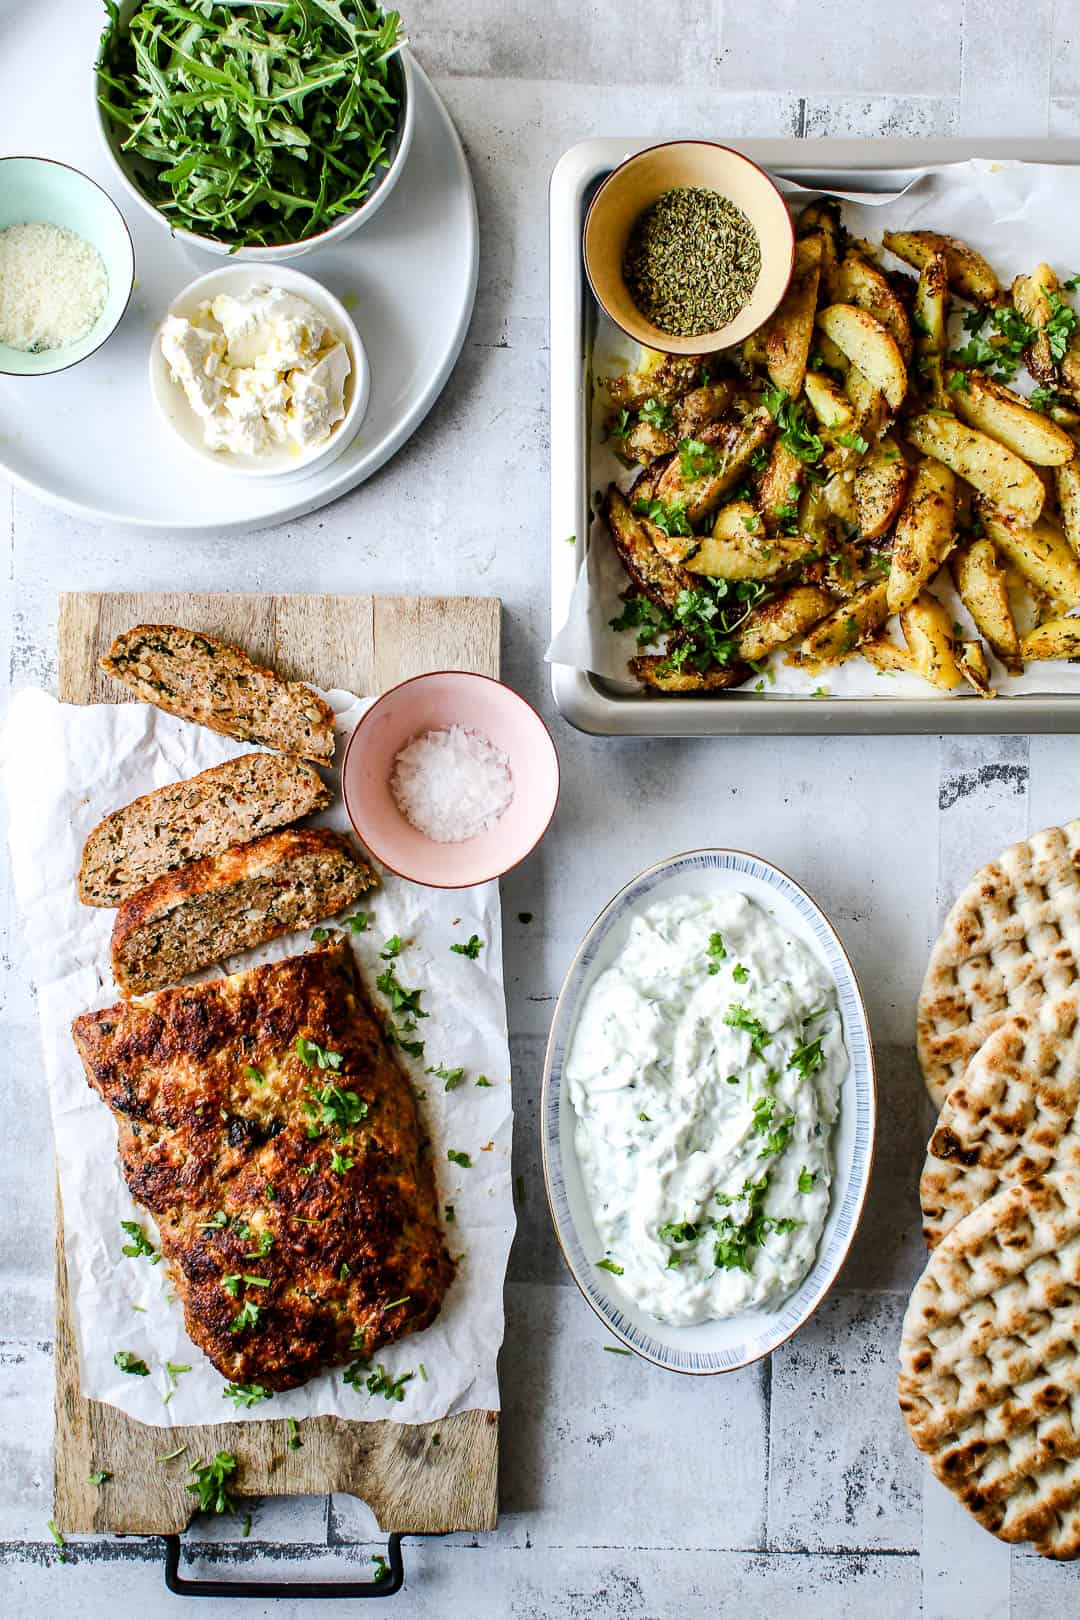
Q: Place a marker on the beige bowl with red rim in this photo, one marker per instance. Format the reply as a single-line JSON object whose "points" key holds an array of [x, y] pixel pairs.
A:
{"points": [[635, 185], [432, 703]]}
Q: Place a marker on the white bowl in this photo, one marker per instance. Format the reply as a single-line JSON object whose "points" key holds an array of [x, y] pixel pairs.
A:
{"points": [[285, 463], [708, 1347], [383, 184]]}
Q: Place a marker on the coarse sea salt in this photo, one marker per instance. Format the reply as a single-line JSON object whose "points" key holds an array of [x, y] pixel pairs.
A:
{"points": [[451, 784], [53, 286]]}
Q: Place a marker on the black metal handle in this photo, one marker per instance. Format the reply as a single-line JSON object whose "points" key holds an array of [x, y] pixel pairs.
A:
{"points": [[391, 1580]]}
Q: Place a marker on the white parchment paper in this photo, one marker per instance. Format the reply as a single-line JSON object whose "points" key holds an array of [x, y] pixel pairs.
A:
{"points": [[1015, 214], [66, 767]]}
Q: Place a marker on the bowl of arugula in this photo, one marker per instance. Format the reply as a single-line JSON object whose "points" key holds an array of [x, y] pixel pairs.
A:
{"points": [[259, 132]]}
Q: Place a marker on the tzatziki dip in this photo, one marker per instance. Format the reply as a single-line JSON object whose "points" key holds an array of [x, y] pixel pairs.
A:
{"points": [[705, 1075]]}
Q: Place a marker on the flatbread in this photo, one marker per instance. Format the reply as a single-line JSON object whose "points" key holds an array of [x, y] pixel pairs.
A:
{"points": [[1012, 937], [989, 1372], [1013, 1114]]}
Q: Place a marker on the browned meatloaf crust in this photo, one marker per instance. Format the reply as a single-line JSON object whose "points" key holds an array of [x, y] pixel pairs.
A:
{"points": [[229, 1138], [218, 686], [185, 821], [189, 919]]}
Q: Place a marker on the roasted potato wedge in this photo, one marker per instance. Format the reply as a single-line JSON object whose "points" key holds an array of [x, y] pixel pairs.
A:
{"points": [[932, 305], [701, 407], [828, 402], [887, 657], [733, 443], [665, 377], [644, 443], [1067, 483], [925, 532], [870, 346], [787, 335], [869, 404], [993, 470], [980, 580], [780, 488], [1029, 294], [1039, 551], [841, 632], [972, 664], [634, 538], [781, 620], [1057, 638], [739, 548], [929, 634], [861, 283], [968, 272], [881, 481], [823, 219], [654, 669], [1008, 417]]}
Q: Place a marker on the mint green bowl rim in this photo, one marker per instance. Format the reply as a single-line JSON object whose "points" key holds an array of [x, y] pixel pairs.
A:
{"points": [[58, 163]]}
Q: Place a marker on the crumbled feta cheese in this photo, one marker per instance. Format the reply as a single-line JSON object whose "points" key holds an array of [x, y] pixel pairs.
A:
{"points": [[262, 370]]}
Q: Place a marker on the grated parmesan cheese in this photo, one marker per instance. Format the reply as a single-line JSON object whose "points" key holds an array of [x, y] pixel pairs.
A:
{"points": [[452, 784], [53, 286]]}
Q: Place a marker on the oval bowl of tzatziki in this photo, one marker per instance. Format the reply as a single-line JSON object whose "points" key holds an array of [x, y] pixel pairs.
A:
{"points": [[708, 1111]]}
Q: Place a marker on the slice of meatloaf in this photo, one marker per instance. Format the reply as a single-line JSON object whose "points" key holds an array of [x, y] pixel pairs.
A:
{"points": [[189, 919], [175, 825], [216, 685]]}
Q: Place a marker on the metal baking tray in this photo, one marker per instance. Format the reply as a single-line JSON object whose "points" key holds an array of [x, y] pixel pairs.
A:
{"points": [[596, 705]]}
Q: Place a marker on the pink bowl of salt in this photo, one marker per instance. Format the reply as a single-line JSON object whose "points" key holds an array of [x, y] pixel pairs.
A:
{"points": [[435, 703]]}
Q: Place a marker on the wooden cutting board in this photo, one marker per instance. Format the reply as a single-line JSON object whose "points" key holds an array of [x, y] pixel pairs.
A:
{"points": [[364, 644]]}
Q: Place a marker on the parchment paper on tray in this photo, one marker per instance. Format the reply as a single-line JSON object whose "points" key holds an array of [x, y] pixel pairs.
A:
{"points": [[1015, 214], [65, 767]]}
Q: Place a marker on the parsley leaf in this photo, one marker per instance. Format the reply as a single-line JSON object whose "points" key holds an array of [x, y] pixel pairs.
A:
{"points": [[697, 459], [381, 1383], [392, 948], [609, 1265], [795, 433], [455, 1157], [472, 949], [670, 519], [806, 1179], [140, 1243], [739, 1017], [739, 973], [312, 1055], [452, 1077], [246, 1395], [210, 1483], [128, 1362], [715, 952], [658, 415]]}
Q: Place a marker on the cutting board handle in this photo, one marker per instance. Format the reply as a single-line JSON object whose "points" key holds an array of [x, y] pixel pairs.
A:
{"points": [[390, 1580]]}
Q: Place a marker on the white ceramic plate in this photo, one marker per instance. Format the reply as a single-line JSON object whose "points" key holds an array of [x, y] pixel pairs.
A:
{"points": [[709, 1347], [89, 440]]}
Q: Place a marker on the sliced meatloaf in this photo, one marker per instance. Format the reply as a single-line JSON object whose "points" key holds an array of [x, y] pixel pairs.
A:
{"points": [[164, 830], [189, 919], [216, 685], [265, 1124]]}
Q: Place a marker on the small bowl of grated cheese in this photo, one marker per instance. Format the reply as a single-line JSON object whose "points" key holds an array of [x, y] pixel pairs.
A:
{"points": [[67, 266], [451, 779]]}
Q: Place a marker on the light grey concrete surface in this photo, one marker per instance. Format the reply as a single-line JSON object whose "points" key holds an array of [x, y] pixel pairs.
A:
{"points": [[625, 1494]]}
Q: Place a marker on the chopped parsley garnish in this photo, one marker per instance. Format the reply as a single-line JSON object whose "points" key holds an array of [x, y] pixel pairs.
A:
{"points": [[343, 1109], [471, 948], [401, 1000], [777, 1132], [449, 1214], [266, 1243], [739, 973], [958, 383], [218, 1219], [129, 1362], [696, 459], [339, 1164], [644, 1118], [679, 1232], [459, 1158], [210, 1483], [253, 1073], [392, 948], [313, 1056], [734, 1238], [1041, 399], [642, 615], [99, 1477], [851, 440], [318, 935], [806, 1179], [140, 1243], [795, 432], [715, 952], [356, 1372], [739, 1017], [295, 1441], [609, 1265], [246, 1395], [246, 1317], [359, 922], [670, 519], [452, 1077], [658, 415], [482, 1080], [381, 1383], [616, 1350]]}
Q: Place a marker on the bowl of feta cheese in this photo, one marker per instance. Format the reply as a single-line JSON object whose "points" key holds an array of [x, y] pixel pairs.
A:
{"points": [[260, 373], [708, 1111]]}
